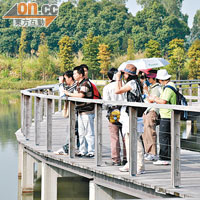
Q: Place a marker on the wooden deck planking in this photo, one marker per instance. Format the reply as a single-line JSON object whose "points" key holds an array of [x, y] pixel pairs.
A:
{"points": [[155, 177]]}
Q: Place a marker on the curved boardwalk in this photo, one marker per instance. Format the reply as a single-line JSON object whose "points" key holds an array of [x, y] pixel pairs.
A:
{"points": [[156, 182]]}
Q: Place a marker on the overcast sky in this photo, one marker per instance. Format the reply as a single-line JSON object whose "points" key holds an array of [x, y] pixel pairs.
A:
{"points": [[189, 6]]}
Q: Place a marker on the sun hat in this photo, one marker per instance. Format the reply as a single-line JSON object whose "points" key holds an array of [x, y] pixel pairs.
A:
{"points": [[130, 69], [163, 75], [151, 74]]}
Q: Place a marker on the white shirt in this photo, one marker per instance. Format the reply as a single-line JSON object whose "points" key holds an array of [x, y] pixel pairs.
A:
{"points": [[109, 93]]}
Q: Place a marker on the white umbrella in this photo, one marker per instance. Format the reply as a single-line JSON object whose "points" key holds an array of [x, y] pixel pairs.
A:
{"points": [[123, 65], [145, 63]]}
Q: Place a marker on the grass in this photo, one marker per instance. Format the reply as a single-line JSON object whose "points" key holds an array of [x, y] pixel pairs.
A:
{"points": [[21, 85]]}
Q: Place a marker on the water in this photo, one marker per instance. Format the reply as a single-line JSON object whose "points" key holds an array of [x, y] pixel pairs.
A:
{"points": [[68, 188], [9, 124]]}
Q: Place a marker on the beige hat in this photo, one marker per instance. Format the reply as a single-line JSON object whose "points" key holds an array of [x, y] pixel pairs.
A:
{"points": [[130, 69], [163, 75]]}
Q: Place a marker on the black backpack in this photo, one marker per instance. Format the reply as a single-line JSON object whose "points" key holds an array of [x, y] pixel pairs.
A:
{"points": [[180, 100], [136, 97]]}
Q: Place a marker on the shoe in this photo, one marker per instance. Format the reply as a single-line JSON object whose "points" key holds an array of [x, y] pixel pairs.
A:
{"points": [[79, 154], [60, 151], [89, 155], [124, 162], [113, 163], [161, 162], [125, 168], [146, 155], [151, 157], [140, 172]]}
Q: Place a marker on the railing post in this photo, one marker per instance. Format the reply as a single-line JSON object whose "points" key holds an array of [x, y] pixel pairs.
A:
{"points": [[22, 113], [175, 149], [98, 134], [49, 124], [132, 141], [28, 117], [45, 107], [42, 107], [72, 129], [199, 93], [59, 104], [53, 105], [190, 93], [37, 120]]}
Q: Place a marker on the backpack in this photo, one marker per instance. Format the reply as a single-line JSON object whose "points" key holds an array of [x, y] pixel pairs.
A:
{"points": [[136, 97], [113, 115], [95, 93], [180, 100]]}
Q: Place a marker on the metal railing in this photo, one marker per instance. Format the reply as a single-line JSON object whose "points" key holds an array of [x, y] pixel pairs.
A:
{"points": [[44, 106]]}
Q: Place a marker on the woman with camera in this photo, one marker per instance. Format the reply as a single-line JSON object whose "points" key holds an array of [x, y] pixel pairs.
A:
{"points": [[133, 92]]}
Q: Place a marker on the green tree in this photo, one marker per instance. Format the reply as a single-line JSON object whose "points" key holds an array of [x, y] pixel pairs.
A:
{"points": [[104, 58], [43, 56], [195, 31], [130, 50], [90, 53], [154, 22], [66, 53], [22, 48], [194, 62], [177, 57], [152, 49]]}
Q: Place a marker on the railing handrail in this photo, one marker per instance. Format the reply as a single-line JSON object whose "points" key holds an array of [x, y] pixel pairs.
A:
{"points": [[194, 80], [120, 103], [48, 103]]}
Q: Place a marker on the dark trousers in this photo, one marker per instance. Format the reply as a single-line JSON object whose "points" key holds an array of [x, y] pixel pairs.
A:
{"points": [[165, 139]]}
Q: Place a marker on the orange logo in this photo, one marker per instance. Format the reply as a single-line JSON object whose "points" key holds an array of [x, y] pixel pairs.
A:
{"points": [[28, 14]]}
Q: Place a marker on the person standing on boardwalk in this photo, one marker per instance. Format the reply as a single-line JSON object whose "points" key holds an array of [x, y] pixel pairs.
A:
{"points": [[134, 87], [116, 127], [85, 113], [66, 83], [167, 97], [150, 118]]}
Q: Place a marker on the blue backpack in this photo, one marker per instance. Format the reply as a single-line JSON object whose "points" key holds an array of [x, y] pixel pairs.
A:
{"points": [[180, 100]]}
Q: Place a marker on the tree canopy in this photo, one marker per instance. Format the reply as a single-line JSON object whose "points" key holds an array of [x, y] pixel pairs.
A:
{"points": [[106, 18]]}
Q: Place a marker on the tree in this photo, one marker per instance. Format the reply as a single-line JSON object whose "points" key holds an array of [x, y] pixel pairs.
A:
{"points": [[177, 57], [104, 58], [43, 56], [130, 50], [90, 53], [194, 62], [152, 49], [66, 53], [22, 48], [195, 31]]}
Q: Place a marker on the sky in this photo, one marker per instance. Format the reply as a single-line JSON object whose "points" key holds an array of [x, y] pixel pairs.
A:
{"points": [[189, 7]]}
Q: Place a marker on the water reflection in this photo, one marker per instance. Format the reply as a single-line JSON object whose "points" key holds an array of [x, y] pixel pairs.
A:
{"points": [[9, 124]]}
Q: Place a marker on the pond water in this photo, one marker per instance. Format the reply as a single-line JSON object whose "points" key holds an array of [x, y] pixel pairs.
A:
{"points": [[9, 124]]}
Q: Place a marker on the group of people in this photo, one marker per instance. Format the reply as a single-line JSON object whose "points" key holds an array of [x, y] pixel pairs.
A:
{"points": [[125, 86]]}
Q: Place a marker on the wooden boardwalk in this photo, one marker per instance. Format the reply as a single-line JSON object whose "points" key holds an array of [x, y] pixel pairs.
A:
{"points": [[155, 182]]}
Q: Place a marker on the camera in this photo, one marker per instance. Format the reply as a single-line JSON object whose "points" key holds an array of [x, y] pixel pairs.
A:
{"points": [[61, 77]]}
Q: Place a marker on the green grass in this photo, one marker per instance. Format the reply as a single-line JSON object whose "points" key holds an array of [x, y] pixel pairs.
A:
{"points": [[20, 85]]}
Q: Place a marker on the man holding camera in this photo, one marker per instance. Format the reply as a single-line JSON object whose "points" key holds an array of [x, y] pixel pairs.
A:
{"points": [[66, 83]]}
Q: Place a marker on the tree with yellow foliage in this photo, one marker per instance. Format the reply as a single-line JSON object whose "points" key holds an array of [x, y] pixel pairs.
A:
{"points": [[66, 53], [104, 58], [194, 62]]}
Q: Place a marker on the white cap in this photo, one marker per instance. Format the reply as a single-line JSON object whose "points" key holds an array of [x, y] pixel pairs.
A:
{"points": [[162, 74]]}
